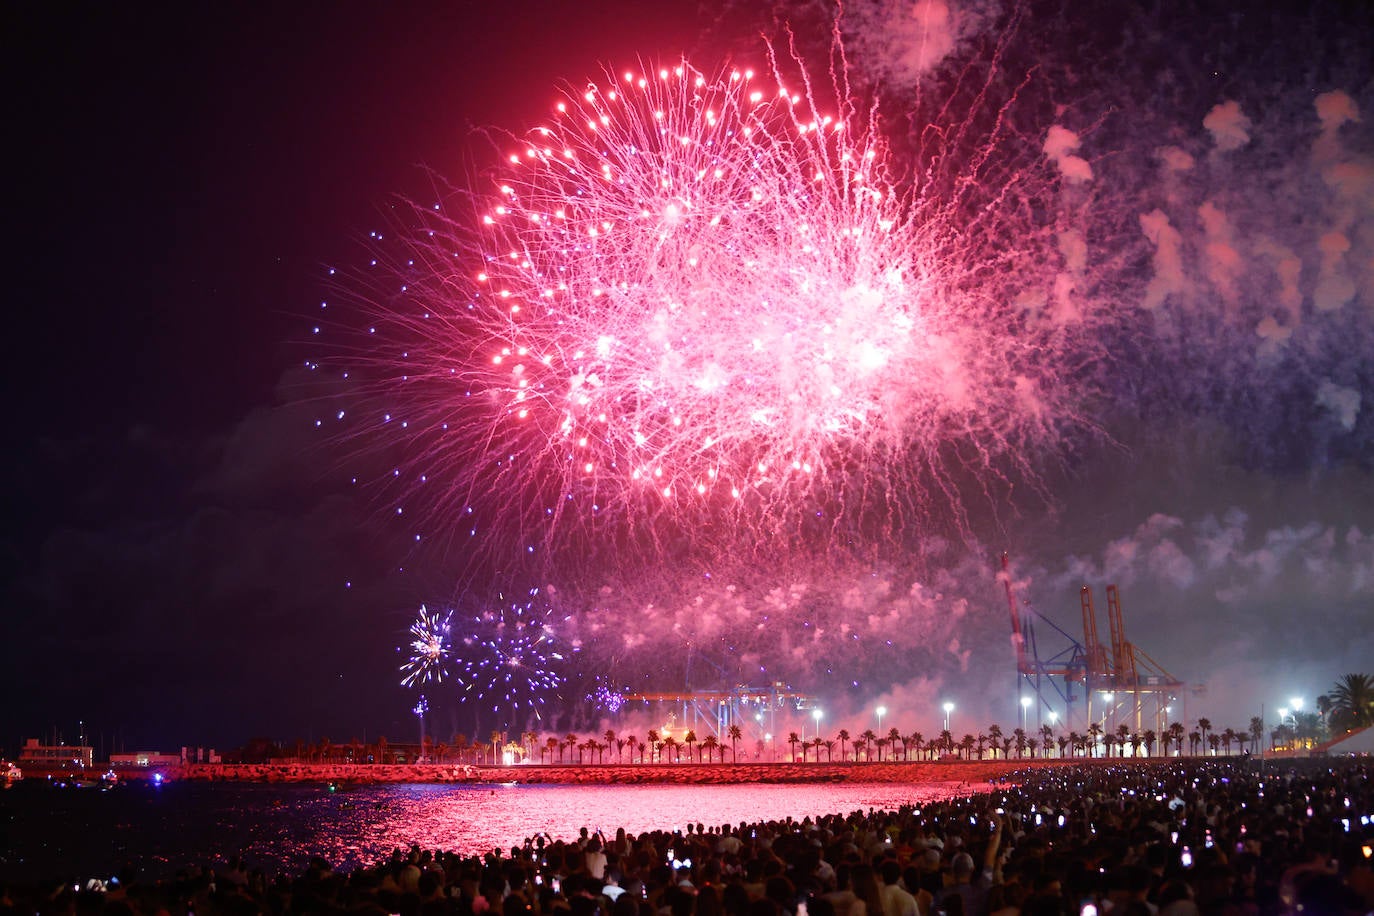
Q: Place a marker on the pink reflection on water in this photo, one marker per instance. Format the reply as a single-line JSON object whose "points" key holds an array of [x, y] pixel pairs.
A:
{"points": [[363, 826]]}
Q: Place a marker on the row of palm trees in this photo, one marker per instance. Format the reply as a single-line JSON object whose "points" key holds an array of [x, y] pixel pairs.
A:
{"points": [[1349, 705], [1096, 741]]}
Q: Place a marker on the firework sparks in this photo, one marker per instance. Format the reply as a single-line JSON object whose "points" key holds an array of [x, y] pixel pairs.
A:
{"points": [[694, 309], [607, 697], [510, 657], [430, 649]]}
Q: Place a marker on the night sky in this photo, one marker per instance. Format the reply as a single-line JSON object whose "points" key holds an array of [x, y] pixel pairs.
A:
{"points": [[184, 564]]}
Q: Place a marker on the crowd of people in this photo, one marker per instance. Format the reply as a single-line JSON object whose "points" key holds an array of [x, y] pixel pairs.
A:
{"points": [[1182, 838]]}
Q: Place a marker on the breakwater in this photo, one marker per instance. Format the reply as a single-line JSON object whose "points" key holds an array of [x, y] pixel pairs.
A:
{"points": [[971, 772]]}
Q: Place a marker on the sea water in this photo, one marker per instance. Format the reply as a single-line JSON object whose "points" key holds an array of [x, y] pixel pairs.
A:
{"points": [[77, 834]]}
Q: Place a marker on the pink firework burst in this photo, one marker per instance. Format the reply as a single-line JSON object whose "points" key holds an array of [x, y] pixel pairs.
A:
{"points": [[706, 311]]}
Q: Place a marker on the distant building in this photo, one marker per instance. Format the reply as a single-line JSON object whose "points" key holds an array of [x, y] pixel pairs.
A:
{"points": [[55, 755], [145, 759]]}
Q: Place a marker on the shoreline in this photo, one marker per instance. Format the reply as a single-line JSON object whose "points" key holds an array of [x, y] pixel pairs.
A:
{"points": [[969, 772]]}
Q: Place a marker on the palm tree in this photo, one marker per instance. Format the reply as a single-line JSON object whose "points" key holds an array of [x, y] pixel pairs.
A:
{"points": [[915, 741], [1047, 736], [1123, 731], [1077, 742], [894, 738], [981, 742], [1019, 735], [1194, 739], [1032, 745], [1227, 736], [1256, 733], [967, 743], [709, 745], [632, 742], [655, 742], [553, 744], [868, 737], [946, 741], [880, 743], [1352, 702], [1063, 742], [829, 750], [569, 741], [843, 736], [1177, 733], [734, 734], [1094, 734], [1204, 726], [460, 745], [610, 737], [670, 744], [995, 733], [792, 739], [690, 739]]}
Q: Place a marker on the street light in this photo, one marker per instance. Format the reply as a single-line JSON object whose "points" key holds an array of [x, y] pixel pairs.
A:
{"points": [[949, 708], [816, 715], [1025, 711], [881, 711]]}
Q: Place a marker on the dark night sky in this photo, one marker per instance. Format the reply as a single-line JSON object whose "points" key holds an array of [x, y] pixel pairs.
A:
{"points": [[174, 553], [182, 180]]}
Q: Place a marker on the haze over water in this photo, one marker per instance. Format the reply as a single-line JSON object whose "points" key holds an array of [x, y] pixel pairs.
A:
{"points": [[79, 834]]}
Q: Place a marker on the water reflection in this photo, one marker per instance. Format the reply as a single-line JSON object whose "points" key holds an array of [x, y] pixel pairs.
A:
{"points": [[360, 827], [278, 828]]}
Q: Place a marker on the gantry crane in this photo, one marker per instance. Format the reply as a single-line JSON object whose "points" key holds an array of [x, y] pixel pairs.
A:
{"points": [[1114, 678], [1048, 681], [713, 710], [1131, 681]]}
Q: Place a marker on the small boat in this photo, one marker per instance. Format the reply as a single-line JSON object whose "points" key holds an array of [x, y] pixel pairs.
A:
{"points": [[9, 773]]}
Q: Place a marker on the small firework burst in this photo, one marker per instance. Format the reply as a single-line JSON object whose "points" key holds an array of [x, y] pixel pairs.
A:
{"points": [[607, 696], [510, 658], [430, 649]]}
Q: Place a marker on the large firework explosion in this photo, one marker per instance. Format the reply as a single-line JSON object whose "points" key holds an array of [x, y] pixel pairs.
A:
{"points": [[682, 327], [702, 311]]}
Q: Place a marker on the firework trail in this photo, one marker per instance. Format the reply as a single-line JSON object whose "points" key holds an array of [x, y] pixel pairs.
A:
{"points": [[510, 658], [702, 311], [430, 649]]}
